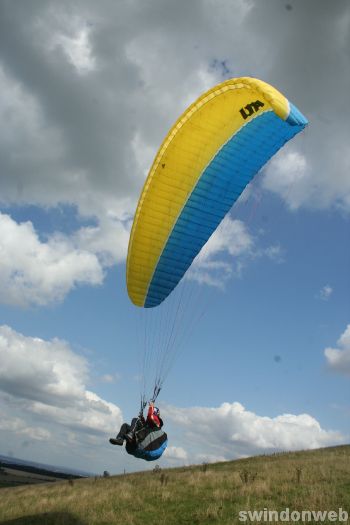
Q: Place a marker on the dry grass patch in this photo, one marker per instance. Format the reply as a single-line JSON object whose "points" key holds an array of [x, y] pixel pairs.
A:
{"points": [[189, 496]]}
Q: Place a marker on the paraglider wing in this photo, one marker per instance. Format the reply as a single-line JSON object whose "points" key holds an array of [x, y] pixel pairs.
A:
{"points": [[208, 157]]}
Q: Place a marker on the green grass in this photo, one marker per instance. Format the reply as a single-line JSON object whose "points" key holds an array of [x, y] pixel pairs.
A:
{"points": [[310, 480]]}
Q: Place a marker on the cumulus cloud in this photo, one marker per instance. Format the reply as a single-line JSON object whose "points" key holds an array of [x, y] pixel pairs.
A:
{"points": [[338, 359], [79, 91], [288, 174], [36, 272], [47, 380], [18, 426], [221, 255], [108, 240], [231, 236], [39, 271], [230, 431], [227, 252], [46, 371], [44, 398], [69, 127], [176, 454]]}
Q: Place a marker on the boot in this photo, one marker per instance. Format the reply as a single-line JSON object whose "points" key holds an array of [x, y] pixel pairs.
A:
{"points": [[116, 441]]}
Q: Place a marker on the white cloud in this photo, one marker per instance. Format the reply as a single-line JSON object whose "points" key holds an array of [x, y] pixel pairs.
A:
{"points": [[275, 253], [231, 236], [208, 458], [78, 50], [288, 174], [110, 378], [176, 454], [232, 240], [109, 240], [227, 252], [338, 359], [36, 272], [17, 426], [47, 380], [325, 292], [46, 371], [90, 414], [44, 398], [78, 92], [230, 431]]}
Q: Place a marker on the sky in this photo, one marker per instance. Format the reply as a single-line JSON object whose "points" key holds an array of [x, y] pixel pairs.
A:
{"points": [[262, 347]]}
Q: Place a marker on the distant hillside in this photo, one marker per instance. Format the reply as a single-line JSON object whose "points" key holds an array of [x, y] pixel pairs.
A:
{"points": [[224, 493], [18, 472], [24, 464]]}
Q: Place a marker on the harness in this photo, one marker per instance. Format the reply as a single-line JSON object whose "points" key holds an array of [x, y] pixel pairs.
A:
{"points": [[149, 443]]}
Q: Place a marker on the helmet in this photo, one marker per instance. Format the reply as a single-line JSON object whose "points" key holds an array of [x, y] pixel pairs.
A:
{"points": [[156, 411]]}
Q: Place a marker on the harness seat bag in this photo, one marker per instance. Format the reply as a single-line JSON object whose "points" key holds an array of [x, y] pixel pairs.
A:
{"points": [[150, 444]]}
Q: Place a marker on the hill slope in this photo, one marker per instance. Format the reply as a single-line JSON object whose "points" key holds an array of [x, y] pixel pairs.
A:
{"points": [[316, 480]]}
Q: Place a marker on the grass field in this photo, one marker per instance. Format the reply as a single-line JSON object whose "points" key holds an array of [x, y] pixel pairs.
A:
{"points": [[316, 480]]}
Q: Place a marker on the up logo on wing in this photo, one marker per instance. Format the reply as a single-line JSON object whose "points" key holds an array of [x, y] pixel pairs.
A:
{"points": [[251, 108]]}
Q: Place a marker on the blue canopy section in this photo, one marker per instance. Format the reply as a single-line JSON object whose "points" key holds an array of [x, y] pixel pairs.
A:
{"points": [[218, 188]]}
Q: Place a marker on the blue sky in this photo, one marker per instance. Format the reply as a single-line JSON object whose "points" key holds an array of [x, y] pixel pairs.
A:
{"points": [[85, 106]]}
